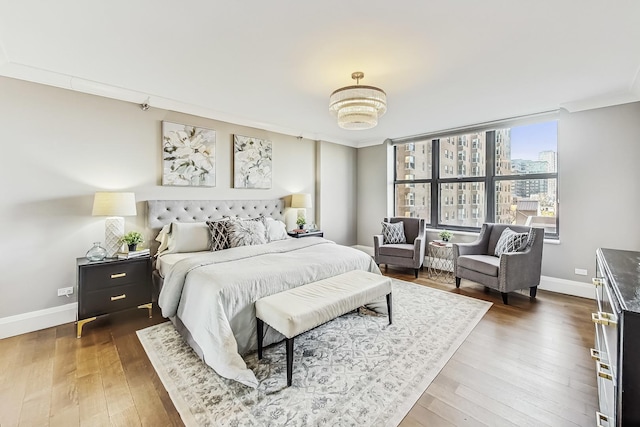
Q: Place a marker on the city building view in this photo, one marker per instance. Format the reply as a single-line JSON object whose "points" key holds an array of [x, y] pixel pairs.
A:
{"points": [[525, 178]]}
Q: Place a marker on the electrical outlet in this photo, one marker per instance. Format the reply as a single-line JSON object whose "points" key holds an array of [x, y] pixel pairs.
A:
{"points": [[581, 271], [65, 291]]}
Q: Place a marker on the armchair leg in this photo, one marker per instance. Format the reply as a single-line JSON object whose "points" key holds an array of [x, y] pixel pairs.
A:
{"points": [[533, 291], [505, 298], [458, 280], [416, 271]]}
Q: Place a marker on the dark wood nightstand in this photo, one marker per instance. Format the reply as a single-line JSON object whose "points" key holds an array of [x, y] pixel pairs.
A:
{"points": [[112, 285], [316, 233]]}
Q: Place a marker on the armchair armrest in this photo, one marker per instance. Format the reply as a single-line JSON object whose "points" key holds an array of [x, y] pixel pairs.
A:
{"points": [[419, 245], [519, 270], [377, 242]]}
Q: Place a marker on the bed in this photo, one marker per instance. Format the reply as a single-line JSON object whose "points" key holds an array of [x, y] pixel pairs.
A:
{"points": [[210, 295]]}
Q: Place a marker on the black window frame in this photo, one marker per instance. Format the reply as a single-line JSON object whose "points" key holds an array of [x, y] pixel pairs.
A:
{"points": [[490, 179]]}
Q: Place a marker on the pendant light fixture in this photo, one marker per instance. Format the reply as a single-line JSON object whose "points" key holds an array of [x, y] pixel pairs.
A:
{"points": [[358, 107]]}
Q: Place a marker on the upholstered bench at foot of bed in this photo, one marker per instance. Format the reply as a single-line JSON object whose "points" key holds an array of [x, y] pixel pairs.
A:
{"points": [[300, 309]]}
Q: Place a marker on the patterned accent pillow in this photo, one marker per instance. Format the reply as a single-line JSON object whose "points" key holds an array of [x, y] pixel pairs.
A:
{"points": [[219, 234], [510, 241], [393, 232], [246, 232]]}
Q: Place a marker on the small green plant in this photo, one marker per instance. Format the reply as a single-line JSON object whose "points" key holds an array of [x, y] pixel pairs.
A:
{"points": [[132, 238], [301, 222], [445, 235]]}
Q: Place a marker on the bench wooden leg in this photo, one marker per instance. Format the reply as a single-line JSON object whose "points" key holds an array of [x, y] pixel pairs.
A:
{"points": [[389, 307], [289, 361], [260, 336]]}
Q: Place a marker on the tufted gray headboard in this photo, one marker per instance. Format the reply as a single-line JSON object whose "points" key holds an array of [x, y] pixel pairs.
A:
{"points": [[162, 212]]}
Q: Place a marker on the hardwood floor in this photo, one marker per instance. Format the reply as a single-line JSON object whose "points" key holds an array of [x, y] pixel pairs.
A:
{"points": [[525, 364]]}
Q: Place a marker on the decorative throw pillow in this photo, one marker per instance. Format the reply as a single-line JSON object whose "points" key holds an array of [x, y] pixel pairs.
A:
{"points": [[276, 230], [510, 241], [245, 232], [393, 232], [219, 234], [163, 239]]}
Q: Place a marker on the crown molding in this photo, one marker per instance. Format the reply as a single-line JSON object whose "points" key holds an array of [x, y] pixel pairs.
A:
{"points": [[64, 81]]}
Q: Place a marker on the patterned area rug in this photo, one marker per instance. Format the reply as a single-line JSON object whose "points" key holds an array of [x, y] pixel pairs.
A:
{"points": [[355, 370]]}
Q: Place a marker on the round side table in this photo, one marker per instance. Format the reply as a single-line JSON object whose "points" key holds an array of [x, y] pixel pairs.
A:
{"points": [[441, 261]]}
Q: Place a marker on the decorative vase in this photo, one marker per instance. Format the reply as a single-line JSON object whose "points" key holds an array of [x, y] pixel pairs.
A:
{"points": [[132, 247], [96, 253]]}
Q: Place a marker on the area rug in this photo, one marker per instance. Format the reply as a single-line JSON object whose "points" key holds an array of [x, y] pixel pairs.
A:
{"points": [[355, 370]]}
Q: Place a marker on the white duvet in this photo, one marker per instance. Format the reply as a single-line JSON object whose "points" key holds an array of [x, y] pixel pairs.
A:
{"points": [[214, 293]]}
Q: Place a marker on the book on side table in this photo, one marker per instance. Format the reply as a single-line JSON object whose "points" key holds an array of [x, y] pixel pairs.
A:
{"points": [[133, 254]]}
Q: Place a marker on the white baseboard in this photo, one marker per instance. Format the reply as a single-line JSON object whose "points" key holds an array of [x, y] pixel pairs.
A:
{"points": [[569, 287], [36, 320]]}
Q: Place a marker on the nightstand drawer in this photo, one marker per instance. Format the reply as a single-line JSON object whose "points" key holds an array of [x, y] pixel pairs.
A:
{"points": [[114, 299], [114, 274]]}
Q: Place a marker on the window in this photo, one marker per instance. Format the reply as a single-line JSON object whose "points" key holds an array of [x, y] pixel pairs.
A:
{"points": [[507, 175]]}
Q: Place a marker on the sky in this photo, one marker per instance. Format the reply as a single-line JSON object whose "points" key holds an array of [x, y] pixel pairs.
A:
{"points": [[528, 141]]}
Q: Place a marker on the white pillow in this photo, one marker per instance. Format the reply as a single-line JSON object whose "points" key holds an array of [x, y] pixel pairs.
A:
{"points": [[276, 230], [184, 237]]}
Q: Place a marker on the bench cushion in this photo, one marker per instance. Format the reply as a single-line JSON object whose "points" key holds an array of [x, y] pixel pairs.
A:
{"points": [[300, 309]]}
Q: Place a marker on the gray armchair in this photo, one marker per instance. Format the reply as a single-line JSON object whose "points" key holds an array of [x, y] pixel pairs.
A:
{"points": [[409, 254], [511, 271]]}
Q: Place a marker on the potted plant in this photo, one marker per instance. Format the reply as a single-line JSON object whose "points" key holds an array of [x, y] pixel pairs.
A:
{"points": [[132, 239], [445, 235], [301, 222]]}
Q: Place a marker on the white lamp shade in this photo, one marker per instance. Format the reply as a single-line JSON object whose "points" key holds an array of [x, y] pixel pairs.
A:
{"points": [[114, 204], [302, 200]]}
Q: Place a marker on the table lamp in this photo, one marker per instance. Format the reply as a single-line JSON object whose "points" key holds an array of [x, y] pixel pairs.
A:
{"points": [[301, 202], [114, 206]]}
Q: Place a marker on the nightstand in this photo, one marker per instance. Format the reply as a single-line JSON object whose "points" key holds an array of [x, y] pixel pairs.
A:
{"points": [[316, 233], [112, 285]]}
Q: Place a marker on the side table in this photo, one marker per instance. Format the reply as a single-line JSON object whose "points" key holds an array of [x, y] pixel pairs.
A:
{"points": [[112, 285], [440, 261]]}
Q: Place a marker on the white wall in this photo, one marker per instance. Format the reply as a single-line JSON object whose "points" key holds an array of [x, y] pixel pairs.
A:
{"points": [[336, 201], [60, 146], [373, 191], [598, 175]]}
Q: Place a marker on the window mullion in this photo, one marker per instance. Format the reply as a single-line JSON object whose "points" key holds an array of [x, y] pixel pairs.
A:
{"points": [[489, 183], [435, 182]]}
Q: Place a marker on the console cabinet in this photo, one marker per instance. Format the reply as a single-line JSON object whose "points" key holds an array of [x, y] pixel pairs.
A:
{"points": [[617, 337]]}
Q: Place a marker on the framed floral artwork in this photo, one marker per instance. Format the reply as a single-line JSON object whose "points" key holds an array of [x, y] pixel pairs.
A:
{"points": [[188, 155], [251, 162]]}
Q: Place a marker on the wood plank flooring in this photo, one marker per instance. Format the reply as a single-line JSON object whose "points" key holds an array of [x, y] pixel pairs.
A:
{"points": [[525, 364]]}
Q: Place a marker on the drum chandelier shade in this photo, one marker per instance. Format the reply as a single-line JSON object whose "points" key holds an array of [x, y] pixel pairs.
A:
{"points": [[358, 107]]}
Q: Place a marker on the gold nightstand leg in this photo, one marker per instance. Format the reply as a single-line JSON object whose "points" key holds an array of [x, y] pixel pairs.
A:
{"points": [[148, 306], [81, 324]]}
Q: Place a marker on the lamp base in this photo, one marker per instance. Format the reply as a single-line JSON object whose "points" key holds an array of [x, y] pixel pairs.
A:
{"points": [[113, 232]]}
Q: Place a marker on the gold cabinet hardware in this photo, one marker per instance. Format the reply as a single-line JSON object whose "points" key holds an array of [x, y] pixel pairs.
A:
{"points": [[116, 298], [595, 355], [604, 371], [597, 281], [602, 318], [601, 417], [115, 276]]}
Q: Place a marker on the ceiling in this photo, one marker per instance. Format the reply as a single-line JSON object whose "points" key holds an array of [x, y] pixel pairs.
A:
{"points": [[273, 64]]}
